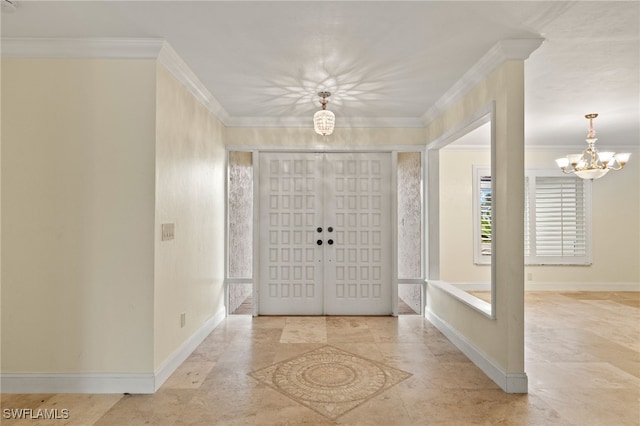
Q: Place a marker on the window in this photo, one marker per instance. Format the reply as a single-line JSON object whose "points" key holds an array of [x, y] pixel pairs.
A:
{"points": [[409, 215], [239, 290], [485, 215], [556, 222]]}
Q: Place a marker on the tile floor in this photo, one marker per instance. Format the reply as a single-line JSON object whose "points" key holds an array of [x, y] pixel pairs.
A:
{"points": [[582, 360]]}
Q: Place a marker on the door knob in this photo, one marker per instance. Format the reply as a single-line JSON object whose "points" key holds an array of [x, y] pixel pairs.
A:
{"points": [[319, 242], [330, 229], [330, 242], [320, 229]]}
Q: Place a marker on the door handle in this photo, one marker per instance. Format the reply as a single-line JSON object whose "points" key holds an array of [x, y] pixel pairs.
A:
{"points": [[330, 242], [319, 242], [330, 229], [319, 229]]}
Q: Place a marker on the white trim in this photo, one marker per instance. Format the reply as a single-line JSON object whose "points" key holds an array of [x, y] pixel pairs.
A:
{"points": [[170, 59], [509, 382], [255, 245], [117, 48], [341, 122], [575, 148], [471, 301], [581, 286], [561, 149], [108, 382], [225, 284], [402, 281], [156, 48], [182, 353], [77, 383], [502, 51], [327, 148], [394, 233], [108, 48], [471, 122]]}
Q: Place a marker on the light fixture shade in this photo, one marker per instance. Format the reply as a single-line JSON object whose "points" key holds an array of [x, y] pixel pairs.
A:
{"points": [[605, 157], [324, 122], [591, 173], [622, 157], [562, 162], [574, 159]]}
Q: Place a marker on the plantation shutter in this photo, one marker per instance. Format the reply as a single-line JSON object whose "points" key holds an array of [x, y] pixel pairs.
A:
{"points": [[486, 226], [560, 224], [556, 218]]}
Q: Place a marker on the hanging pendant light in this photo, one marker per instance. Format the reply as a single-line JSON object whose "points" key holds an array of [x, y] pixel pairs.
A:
{"points": [[592, 164], [324, 120]]}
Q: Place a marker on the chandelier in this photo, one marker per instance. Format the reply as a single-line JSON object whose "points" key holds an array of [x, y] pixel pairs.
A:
{"points": [[592, 164], [324, 120]]}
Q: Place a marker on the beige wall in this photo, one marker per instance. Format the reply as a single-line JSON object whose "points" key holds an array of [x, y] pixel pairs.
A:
{"points": [[456, 217], [502, 339], [78, 141], [97, 155], [190, 176], [615, 225], [615, 229]]}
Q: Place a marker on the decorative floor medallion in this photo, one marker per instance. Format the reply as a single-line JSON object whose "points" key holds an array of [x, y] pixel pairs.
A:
{"points": [[329, 380]]}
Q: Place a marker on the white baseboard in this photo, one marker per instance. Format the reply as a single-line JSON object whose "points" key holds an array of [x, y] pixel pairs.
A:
{"points": [[182, 353], [581, 286], [108, 382], [509, 382], [76, 383]]}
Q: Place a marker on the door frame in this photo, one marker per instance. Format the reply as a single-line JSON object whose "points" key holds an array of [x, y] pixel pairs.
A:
{"points": [[393, 150]]}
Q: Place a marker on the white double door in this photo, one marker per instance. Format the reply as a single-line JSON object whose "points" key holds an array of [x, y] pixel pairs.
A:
{"points": [[325, 234]]}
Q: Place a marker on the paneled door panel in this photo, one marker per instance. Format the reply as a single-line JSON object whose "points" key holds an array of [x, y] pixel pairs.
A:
{"points": [[291, 281], [325, 234], [358, 264]]}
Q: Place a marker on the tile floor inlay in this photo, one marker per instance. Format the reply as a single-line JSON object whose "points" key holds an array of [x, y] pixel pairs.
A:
{"points": [[329, 380]]}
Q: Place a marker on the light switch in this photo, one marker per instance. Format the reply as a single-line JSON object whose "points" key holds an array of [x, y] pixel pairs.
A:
{"points": [[168, 231]]}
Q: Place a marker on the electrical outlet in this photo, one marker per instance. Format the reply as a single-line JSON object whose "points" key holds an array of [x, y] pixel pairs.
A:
{"points": [[183, 319], [168, 231], [529, 276]]}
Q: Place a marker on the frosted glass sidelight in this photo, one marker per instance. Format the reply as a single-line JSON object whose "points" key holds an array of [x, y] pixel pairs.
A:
{"points": [[409, 215], [240, 214]]}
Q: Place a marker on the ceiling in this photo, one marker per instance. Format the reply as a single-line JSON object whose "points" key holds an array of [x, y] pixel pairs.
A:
{"points": [[264, 61]]}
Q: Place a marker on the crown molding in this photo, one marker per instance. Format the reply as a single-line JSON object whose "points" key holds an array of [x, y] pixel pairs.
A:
{"points": [[560, 149], [170, 59], [504, 50], [341, 122], [111, 48], [116, 48], [160, 50]]}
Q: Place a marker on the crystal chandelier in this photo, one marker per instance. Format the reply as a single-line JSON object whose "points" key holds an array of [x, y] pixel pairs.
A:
{"points": [[592, 164], [324, 120]]}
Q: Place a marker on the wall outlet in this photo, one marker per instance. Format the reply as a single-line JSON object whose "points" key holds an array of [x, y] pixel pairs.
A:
{"points": [[183, 319], [168, 231], [529, 276]]}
